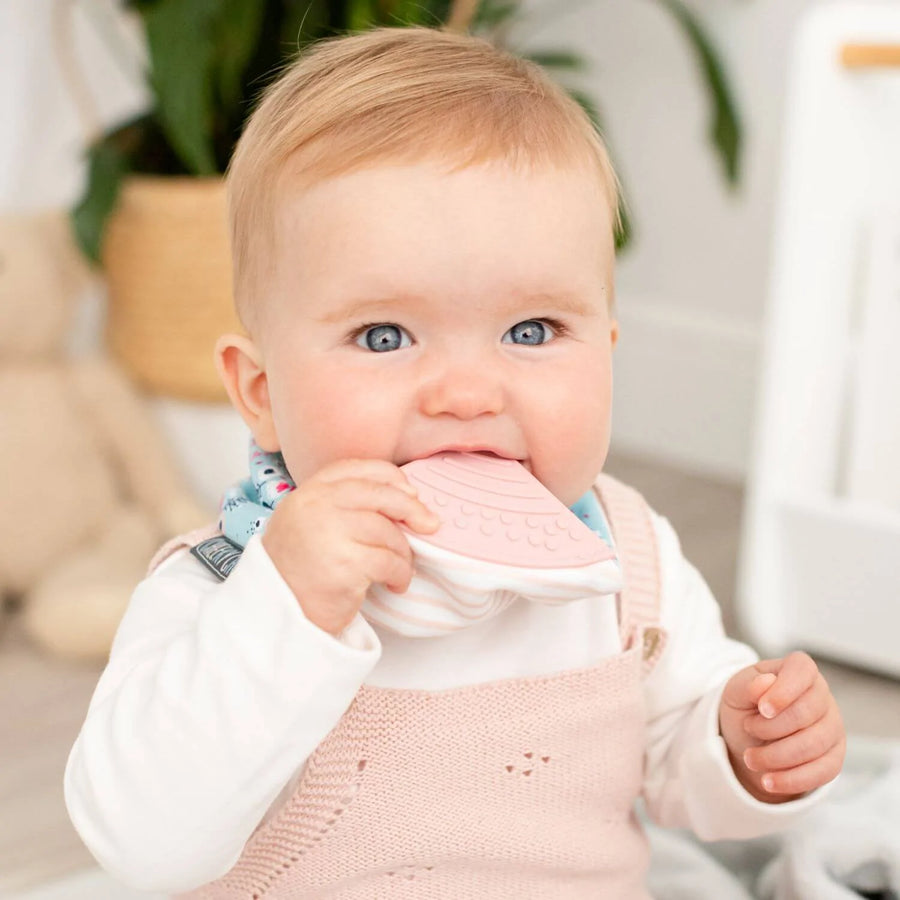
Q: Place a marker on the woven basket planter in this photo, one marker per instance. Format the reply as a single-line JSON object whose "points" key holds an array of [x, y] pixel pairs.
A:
{"points": [[168, 269]]}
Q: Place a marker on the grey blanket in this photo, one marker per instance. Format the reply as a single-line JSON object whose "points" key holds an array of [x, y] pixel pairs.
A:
{"points": [[847, 848]]}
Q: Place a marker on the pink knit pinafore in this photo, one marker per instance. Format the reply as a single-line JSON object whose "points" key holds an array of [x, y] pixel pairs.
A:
{"points": [[520, 788]]}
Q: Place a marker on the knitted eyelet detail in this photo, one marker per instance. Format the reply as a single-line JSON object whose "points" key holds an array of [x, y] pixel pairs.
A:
{"points": [[409, 873], [530, 764]]}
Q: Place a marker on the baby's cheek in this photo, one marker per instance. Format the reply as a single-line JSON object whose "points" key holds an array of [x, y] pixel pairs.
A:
{"points": [[355, 424], [581, 410], [596, 416], [568, 452]]}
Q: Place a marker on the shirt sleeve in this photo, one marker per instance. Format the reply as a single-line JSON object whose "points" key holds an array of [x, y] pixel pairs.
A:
{"points": [[214, 695], [688, 780]]}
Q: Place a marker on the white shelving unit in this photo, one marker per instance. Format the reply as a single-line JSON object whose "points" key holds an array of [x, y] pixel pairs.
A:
{"points": [[820, 561]]}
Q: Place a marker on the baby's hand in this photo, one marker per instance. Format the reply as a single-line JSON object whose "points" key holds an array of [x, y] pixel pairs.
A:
{"points": [[337, 533], [782, 727]]}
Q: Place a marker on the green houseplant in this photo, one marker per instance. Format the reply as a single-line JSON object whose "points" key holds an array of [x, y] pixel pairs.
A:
{"points": [[207, 62]]}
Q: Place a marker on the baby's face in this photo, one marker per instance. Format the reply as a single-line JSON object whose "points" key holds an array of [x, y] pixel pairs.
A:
{"points": [[412, 311]]}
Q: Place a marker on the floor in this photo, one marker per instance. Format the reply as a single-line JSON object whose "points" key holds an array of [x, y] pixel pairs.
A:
{"points": [[42, 702]]}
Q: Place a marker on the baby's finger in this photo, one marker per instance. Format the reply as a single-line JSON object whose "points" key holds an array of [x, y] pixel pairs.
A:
{"points": [[744, 688], [386, 567], [387, 499], [379, 470], [806, 710], [795, 676], [807, 777], [372, 529], [798, 748]]}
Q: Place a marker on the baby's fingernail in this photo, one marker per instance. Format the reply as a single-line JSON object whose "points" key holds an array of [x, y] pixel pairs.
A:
{"points": [[766, 709], [768, 782], [406, 486], [748, 762]]}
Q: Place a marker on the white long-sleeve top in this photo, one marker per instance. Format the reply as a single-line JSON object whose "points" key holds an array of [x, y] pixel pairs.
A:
{"points": [[216, 693]]}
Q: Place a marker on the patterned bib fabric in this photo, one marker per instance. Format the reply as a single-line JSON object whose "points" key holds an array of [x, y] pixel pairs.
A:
{"points": [[448, 591], [247, 505]]}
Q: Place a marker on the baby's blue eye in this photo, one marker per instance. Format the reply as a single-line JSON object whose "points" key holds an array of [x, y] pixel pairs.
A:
{"points": [[382, 338], [530, 332]]}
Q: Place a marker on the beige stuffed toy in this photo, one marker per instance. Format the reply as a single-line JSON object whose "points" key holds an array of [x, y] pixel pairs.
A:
{"points": [[89, 487]]}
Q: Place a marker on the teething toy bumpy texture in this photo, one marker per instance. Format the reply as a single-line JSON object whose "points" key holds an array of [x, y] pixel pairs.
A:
{"points": [[494, 510], [503, 537]]}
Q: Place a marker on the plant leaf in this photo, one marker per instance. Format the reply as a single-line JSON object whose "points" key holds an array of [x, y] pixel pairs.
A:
{"points": [[557, 59], [412, 12], [107, 164], [431, 13], [493, 13], [625, 228], [235, 35], [304, 21], [361, 14], [182, 59], [724, 127]]}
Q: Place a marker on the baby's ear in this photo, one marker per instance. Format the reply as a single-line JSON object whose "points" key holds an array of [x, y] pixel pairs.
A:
{"points": [[240, 366]]}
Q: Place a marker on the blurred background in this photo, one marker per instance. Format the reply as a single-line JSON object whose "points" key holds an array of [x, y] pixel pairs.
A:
{"points": [[757, 386]]}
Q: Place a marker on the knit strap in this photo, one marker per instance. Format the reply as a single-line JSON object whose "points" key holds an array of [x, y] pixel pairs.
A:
{"points": [[638, 553]]}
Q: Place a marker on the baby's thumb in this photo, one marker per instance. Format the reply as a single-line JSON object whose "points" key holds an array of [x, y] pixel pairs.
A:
{"points": [[745, 688]]}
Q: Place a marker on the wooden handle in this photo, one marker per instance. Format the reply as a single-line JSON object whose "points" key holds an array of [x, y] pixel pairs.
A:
{"points": [[462, 12], [870, 56]]}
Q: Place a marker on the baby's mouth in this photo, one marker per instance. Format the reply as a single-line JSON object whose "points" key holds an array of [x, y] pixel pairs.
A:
{"points": [[480, 451]]}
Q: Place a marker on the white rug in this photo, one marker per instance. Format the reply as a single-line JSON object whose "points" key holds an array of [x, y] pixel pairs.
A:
{"points": [[93, 884]]}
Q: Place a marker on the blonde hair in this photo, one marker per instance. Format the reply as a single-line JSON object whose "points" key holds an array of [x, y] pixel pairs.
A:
{"points": [[398, 95]]}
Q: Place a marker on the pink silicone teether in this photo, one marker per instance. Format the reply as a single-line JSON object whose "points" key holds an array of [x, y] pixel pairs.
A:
{"points": [[495, 510]]}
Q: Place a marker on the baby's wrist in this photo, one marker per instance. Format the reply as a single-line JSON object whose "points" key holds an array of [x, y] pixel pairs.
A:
{"points": [[323, 618]]}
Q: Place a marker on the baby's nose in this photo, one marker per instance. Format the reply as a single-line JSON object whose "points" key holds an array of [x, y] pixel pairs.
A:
{"points": [[462, 393]]}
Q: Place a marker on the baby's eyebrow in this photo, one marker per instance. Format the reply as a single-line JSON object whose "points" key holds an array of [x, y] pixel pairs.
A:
{"points": [[359, 307], [561, 301], [569, 302]]}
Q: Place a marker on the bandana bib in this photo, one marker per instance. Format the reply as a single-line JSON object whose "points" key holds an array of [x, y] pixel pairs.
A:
{"points": [[503, 538]]}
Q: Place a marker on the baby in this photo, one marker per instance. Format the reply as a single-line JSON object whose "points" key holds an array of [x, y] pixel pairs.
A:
{"points": [[422, 231]]}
